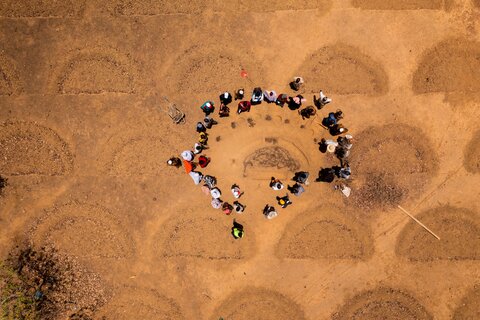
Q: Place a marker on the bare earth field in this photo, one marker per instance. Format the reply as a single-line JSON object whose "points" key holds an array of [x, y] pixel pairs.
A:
{"points": [[84, 139]]}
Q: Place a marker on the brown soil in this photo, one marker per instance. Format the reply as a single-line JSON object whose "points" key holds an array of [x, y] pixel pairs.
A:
{"points": [[383, 178], [448, 66], [476, 2], [83, 230], [9, 80], [42, 8], [194, 69], [472, 154], [398, 4], [258, 304], [342, 70], [151, 7], [270, 158], [114, 72], [134, 303], [325, 233], [469, 306], [458, 229], [382, 303], [29, 148], [127, 158], [204, 237]]}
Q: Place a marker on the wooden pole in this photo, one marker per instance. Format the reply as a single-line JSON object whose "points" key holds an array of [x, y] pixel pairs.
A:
{"points": [[416, 220]]}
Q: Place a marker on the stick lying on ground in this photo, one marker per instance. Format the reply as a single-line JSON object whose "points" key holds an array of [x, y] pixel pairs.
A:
{"points": [[415, 219]]}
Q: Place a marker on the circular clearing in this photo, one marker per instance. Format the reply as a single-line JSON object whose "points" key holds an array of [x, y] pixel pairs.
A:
{"points": [[391, 162], [144, 304], [468, 307], [254, 303], [9, 80], [448, 66], [197, 70], [398, 4], [382, 303], [29, 148], [97, 71], [25, 9], [342, 70], [325, 233], [458, 229], [472, 154], [139, 156], [201, 237], [86, 231]]}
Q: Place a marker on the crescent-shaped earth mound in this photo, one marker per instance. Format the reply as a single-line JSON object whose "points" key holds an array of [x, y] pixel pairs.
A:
{"points": [[458, 229]]}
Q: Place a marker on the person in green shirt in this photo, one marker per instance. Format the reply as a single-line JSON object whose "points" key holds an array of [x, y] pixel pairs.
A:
{"points": [[237, 230]]}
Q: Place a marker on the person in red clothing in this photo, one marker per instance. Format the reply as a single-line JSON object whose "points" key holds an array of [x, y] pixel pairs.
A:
{"points": [[227, 208], [244, 106], [203, 161]]}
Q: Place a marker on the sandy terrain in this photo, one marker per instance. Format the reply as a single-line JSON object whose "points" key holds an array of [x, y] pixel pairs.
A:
{"points": [[84, 138]]}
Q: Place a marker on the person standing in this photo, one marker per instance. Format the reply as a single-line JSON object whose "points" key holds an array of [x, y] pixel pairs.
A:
{"points": [[207, 107]]}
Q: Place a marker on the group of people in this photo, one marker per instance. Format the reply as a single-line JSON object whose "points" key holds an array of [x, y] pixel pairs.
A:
{"points": [[192, 159]]}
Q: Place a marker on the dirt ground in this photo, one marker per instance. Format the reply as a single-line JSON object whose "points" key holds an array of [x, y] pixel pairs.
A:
{"points": [[84, 138]]}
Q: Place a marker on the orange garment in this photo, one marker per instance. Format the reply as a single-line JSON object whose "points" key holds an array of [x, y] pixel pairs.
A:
{"points": [[188, 166]]}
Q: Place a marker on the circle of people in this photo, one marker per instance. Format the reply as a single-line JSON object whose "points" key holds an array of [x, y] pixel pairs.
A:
{"points": [[341, 148]]}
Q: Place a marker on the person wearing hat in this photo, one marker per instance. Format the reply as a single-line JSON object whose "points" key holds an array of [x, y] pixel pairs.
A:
{"points": [[297, 83], [237, 230], [284, 201], [321, 101], [269, 212], [270, 96], [207, 107], [225, 98], [239, 94], [174, 162], [276, 184]]}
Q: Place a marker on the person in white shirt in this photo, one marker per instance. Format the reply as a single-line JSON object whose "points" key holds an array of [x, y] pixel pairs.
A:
{"points": [[270, 96], [322, 101]]}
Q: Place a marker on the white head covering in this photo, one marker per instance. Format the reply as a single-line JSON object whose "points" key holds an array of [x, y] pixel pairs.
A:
{"points": [[187, 155], [216, 203], [215, 192], [196, 176]]}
